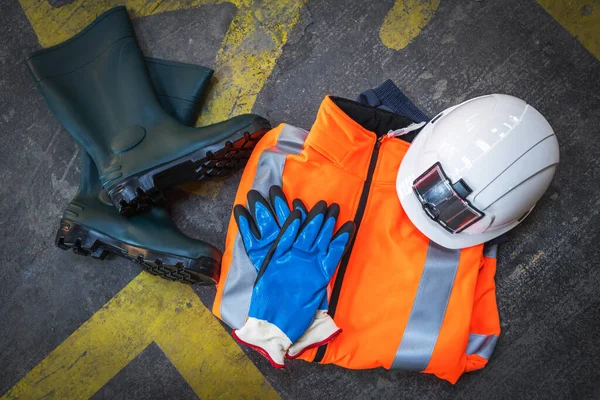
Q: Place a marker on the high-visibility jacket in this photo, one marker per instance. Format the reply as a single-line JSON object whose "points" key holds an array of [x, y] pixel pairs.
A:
{"points": [[401, 300]]}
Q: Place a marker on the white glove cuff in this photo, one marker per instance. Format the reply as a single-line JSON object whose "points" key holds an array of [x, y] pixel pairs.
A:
{"points": [[322, 330], [265, 338]]}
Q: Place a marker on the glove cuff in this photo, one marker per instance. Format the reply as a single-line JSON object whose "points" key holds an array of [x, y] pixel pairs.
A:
{"points": [[322, 330], [265, 338]]}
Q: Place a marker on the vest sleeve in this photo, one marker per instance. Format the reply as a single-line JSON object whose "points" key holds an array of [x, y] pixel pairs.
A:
{"points": [[485, 321]]}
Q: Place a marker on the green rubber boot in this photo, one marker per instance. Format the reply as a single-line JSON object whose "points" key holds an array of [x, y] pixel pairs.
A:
{"points": [[98, 87], [92, 225]]}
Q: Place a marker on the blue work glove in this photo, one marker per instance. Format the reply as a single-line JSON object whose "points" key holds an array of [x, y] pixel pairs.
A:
{"points": [[322, 329], [293, 272]]}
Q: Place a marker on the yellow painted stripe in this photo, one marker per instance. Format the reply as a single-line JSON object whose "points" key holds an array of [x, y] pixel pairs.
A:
{"points": [[55, 25], [251, 47], [405, 21], [205, 355], [146, 310], [581, 18], [248, 55]]}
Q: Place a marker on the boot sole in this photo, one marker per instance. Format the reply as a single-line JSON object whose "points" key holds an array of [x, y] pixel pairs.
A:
{"points": [[85, 241], [139, 192]]}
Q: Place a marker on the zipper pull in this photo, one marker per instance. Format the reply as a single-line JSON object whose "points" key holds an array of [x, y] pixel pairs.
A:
{"points": [[402, 131]]}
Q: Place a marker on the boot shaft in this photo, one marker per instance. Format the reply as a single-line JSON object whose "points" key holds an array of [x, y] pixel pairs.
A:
{"points": [[97, 83]]}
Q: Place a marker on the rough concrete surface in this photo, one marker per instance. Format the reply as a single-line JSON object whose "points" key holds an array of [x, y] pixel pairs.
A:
{"points": [[548, 273]]}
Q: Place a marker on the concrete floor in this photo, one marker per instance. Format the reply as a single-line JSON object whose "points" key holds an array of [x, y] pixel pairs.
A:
{"points": [[548, 274]]}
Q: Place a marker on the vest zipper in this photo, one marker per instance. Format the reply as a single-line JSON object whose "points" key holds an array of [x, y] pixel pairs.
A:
{"points": [[360, 212]]}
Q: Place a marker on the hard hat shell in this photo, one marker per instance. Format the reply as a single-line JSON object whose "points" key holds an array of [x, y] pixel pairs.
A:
{"points": [[501, 147]]}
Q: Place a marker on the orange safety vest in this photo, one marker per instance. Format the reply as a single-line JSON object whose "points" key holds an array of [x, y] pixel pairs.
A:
{"points": [[401, 300]]}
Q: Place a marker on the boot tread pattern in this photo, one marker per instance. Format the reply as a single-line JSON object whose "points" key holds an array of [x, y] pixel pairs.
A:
{"points": [[140, 192], [87, 242]]}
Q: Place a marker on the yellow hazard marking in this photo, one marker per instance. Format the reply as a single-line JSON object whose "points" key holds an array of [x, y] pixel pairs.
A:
{"points": [[405, 21], [250, 49], [248, 53], [147, 310], [209, 189], [535, 258], [581, 18]]}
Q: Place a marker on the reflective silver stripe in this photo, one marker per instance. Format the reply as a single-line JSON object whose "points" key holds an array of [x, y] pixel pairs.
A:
{"points": [[429, 308], [482, 345], [490, 251], [240, 279]]}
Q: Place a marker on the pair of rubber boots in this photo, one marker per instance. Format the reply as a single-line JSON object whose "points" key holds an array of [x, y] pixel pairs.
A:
{"points": [[128, 113]]}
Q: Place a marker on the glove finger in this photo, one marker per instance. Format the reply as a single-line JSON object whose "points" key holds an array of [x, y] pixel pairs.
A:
{"points": [[280, 204], [289, 232], [264, 216], [311, 227], [337, 247], [283, 243], [324, 238], [248, 230], [299, 205]]}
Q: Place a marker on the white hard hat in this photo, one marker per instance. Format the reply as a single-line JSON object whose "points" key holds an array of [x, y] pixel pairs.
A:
{"points": [[476, 170]]}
